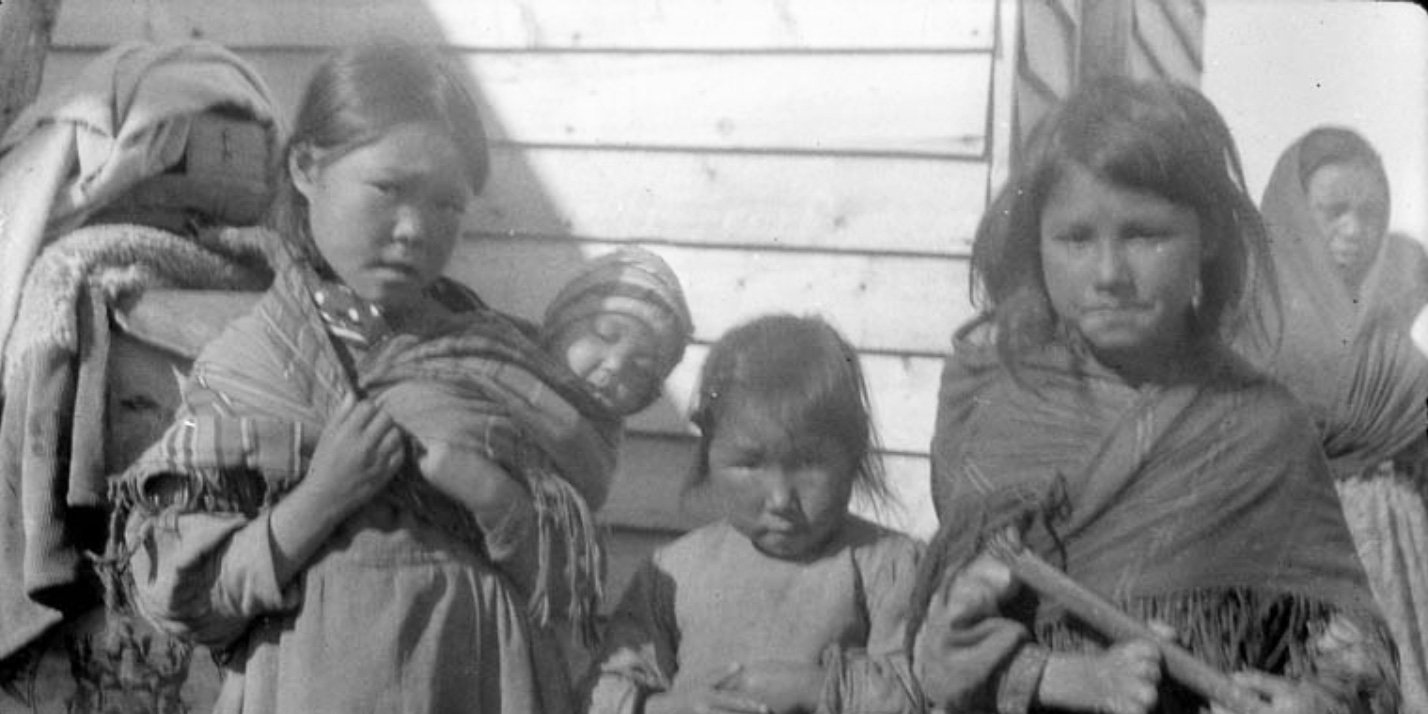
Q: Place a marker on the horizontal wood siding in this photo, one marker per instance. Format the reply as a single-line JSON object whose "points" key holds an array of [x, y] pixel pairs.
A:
{"points": [[819, 103], [808, 156], [886, 303], [778, 201], [637, 25]]}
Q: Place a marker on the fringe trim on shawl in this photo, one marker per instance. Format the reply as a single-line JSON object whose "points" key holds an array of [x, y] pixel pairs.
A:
{"points": [[1233, 629], [1230, 628], [563, 516], [164, 496]]}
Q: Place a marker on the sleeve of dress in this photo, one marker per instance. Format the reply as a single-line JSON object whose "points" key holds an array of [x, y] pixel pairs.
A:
{"points": [[878, 679], [639, 653], [969, 657], [205, 576]]}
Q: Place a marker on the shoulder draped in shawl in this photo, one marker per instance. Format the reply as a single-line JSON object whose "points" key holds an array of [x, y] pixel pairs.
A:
{"points": [[259, 396], [1205, 504], [1350, 359]]}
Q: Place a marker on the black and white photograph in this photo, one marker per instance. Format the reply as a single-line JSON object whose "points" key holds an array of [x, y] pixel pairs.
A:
{"points": [[713, 356]]}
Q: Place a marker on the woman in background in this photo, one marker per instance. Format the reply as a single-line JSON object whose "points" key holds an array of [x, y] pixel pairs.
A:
{"points": [[1349, 290]]}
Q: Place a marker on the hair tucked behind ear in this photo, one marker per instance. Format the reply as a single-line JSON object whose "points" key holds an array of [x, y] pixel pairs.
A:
{"points": [[803, 373], [1159, 137], [354, 97]]}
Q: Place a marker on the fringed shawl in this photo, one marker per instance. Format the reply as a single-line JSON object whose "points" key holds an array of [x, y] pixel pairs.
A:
{"points": [[485, 388], [1204, 503], [1349, 358], [260, 394]]}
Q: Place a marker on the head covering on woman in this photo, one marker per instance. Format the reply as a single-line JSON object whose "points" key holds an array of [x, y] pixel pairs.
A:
{"points": [[1349, 290], [1345, 352]]}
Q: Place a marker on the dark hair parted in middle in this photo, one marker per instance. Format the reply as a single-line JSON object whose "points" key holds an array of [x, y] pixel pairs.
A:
{"points": [[354, 97], [804, 374], [1157, 137]]}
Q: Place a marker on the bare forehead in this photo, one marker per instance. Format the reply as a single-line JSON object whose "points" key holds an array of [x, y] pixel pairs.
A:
{"points": [[417, 149], [1345, 180], [1077, 194], [625, 326]]}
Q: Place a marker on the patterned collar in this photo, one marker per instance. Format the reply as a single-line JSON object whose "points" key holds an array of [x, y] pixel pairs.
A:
{"points": [[350, 317]]}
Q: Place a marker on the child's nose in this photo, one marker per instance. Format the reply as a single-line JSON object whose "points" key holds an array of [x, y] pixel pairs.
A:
{"points": [[410, 223], [780, 494], [615, 361]]}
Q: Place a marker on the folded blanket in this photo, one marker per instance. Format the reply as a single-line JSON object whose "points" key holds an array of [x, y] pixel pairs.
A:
{"points": [[125, 119], [51, 445]]}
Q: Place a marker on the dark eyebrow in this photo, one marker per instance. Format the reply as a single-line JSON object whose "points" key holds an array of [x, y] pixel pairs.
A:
{"points": [[1147, 226]]}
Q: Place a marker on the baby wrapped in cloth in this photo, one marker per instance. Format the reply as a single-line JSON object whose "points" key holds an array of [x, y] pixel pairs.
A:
{"points": [[486, 394]]}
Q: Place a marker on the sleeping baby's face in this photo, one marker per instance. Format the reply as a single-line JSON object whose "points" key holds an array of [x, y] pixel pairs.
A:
{"points": [[618, 355]]}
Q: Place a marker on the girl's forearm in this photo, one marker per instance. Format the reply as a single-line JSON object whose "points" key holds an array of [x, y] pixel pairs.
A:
{"points": [[297, 528]]}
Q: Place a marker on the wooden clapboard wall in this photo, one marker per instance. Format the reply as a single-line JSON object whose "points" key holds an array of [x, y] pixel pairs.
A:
{"points": [[825, 156]]}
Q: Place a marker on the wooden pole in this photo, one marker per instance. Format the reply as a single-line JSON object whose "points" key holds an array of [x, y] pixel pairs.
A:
{"points": [[1116, 624], [25, 27]]}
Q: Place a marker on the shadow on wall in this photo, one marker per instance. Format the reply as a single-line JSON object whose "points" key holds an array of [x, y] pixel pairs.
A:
{"points": [[517, 251]]}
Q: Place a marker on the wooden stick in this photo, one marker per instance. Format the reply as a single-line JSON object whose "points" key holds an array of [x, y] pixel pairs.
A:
{"points": [[1111, 621]]}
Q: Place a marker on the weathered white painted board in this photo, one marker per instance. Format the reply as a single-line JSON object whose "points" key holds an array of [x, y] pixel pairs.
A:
{"points": [[847, 203], [552, 24], [1158, 49], [923, 104], [1051, 57], [650, 490], [928, 104], [1174, 32], [1032, 104], [881, 303], [1188, 20]]}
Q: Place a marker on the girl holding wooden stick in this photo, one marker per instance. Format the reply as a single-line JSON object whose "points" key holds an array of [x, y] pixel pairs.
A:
{"points": [[1096, 394]]}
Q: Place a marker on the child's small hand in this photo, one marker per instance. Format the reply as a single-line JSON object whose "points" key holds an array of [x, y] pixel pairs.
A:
{"points": [[1123, 680], [706, 694], [786, 687], [358, 453]]}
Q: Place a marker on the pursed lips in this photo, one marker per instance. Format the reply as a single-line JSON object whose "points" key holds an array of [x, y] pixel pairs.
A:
{"points": [[782, 525], [405, 269], [1116, 309]]}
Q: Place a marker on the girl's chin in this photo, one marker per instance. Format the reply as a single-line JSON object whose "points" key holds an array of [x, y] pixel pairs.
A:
{"points": [[796, 545]]}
